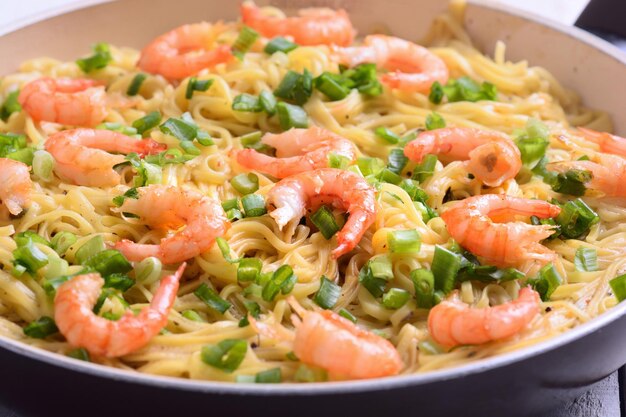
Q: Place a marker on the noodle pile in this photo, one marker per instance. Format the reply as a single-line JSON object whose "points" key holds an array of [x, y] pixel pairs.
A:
{"points": [[523, 92]]}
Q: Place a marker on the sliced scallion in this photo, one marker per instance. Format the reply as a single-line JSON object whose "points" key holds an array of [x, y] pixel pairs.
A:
{"points": [[445, 266], [328, 293], [424, 283], [290, 116], [586, 259], [395, 298], [249, 269], [404, 241], [227, 355], [149, 121], [253, 205], [212, 298], [135, 84], [279, 44], [325, 222], [618, 285], [41, 328]]}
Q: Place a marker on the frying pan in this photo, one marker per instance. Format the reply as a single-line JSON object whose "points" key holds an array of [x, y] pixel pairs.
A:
{"points": [[520, 383]]}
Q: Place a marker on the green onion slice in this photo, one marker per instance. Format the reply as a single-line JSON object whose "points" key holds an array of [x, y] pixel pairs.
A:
{"points": [[227, 355], [328, 293]]}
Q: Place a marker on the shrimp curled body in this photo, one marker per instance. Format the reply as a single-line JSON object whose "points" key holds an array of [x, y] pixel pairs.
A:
{"points": [[170, 207], [73, 314], [325, 339], [82, 155], [16, 185], [297, 150], [290, 197], [502, 244], [76, 102], [184, 51], [490, 156], [452, 322], [412, 68], [314, 26]]}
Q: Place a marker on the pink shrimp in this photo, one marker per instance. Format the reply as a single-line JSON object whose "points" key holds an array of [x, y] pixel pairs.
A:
{"points": [[412, 67], [169, 207], [327, 340], [76, 102], [613, 144], [314, 26], [452, 322], [503, 244], [185, 51], [16, 185], [82, 155], [297, 150], [73, 314], [291, 196], [608, 173], [491, 157]]}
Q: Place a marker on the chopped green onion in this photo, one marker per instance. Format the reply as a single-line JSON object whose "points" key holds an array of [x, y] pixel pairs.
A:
{"points": [[618, 285], [22, 238], [247, 37], [130, 193], [425, 169], [62, 241], [189, 147], [106, 293], [204, 138], [347, 315], [395, 298], [370, 166], [291, 116], [30, 257], [338, 161], [306, 373], [245, 183], [462, 89], [227, 355], [404, 241], [11, 143], [381, 267], [572, 182], [436, 93], [435, 121], [212, 298], [428, 347], [253, 205], [575, 219], [118, 281], [89, 249], [249, 269], [282, 280], [253, 309], [233, 203], [331, 87], [396, 160], [387, 135], [247, 103], [192, 315], [488, 273], [445, 266], [135, 84], [328, 293], [43, 163], [149, 121], [295, 87], [376, 286], [586, 259], [279, 44], [148, 271], [424, 283], [267, 101], [532, 142], [117, 127], [195, 84], [41, 328], [223, 246], [364, 78], [80, 353], [325, 222], [253, 141], [271, 376], [100, 58], [11, 105], [180, 129], [108, 262], [547, 281], [389, 176], [25, 155]]}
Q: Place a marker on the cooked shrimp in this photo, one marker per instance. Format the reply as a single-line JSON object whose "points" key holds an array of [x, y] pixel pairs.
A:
{"points": [[503, 244], [73, 314], [82, 155], [314, 26], [184, 51], [491, 157], [169, 207], [16, 185], [297, 150], [412, 67], [76, 102], [327, 340], [608, 173], [452, 322], [290, 197], [608, 143]]}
